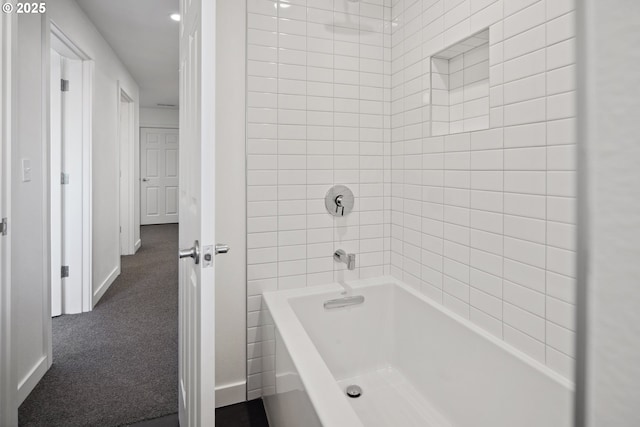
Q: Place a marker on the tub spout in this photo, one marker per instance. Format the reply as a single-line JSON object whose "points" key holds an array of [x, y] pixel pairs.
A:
{"points": [[351, 261], [341, 256]]}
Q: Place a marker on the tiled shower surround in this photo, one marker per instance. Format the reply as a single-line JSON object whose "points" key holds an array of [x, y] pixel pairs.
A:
{"points": [[483, 222], [318, 114]]}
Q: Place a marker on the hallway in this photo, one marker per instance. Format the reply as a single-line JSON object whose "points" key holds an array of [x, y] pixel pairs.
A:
{"points": [[117, 364]]}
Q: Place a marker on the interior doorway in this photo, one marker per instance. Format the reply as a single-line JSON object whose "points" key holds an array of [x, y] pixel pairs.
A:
{"points": [[159, 172], [70, 176]]}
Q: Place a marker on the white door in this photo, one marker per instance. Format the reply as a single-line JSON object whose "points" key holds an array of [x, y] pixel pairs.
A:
{"points": [[159, 172], [197, 213], [66, 184], [72, 244], [8, 406]]}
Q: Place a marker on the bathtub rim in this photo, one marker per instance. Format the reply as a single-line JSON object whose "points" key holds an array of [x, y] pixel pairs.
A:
{"points": [[324, 392], [326, 396]]}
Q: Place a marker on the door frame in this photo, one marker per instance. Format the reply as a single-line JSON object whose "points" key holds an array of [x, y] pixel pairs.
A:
{"points": [[8, 391], [88, 67], [127, 169], [56, 239]]}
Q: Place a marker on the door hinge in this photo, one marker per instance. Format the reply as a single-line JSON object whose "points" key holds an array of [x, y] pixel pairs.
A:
{"points": [[64, 85], [4, 225], [64, 271], [64, 178]]}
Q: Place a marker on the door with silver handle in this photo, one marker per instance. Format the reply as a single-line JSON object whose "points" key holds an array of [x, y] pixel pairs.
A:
{"points": [[193, 252], [145, 179]]}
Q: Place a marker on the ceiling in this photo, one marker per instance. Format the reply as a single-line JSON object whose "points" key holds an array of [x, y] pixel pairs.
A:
{"points": [[146, 41]]}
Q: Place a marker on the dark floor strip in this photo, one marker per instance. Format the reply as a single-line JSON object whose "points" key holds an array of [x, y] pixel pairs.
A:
{"points": [[245, 414]]}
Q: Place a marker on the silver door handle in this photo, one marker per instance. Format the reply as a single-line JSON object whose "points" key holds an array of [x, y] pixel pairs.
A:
{"points": [[222, 249], [145, 179], [193, 252]]}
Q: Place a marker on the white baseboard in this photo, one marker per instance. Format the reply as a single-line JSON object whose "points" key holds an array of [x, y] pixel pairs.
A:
{"points": [[98, 293], [137, 246], [229, 394], [254, 394], [30, 380]]}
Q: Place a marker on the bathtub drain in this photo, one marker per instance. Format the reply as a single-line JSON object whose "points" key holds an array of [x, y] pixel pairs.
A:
{"points": [[354, 391]]}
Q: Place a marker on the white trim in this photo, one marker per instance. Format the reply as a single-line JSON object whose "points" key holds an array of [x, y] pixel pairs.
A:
{"points": [[137, 245], [126, 177], [155, 126], [88, 70], [228, 394], [45, 43], [119, 177], [106, 284], [67, 42], [29, 382], [131, 182], [55, 190]]}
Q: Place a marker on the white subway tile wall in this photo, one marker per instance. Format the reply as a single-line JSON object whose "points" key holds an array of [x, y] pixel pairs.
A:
{"points": [[318, 114], [484, 222]]}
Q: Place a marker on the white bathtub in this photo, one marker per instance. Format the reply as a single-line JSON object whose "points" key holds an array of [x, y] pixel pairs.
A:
{"points": [[418, 365]]}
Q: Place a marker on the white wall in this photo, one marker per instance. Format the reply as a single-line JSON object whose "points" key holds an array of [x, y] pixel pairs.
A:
{"points": [[159, 117], [609, 386], [316, 116], [231, 288], [29, 224], [484, 222], [108, 72]]}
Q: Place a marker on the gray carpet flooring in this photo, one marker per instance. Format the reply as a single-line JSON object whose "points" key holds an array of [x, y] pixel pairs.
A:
{"points": [[117, 364]]}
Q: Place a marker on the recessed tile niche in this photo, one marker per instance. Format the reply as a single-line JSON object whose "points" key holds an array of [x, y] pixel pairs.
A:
{"points": [[460, 86]]}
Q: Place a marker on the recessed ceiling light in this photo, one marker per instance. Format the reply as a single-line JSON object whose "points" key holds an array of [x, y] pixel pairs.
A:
{"points": [[175, 16]]}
